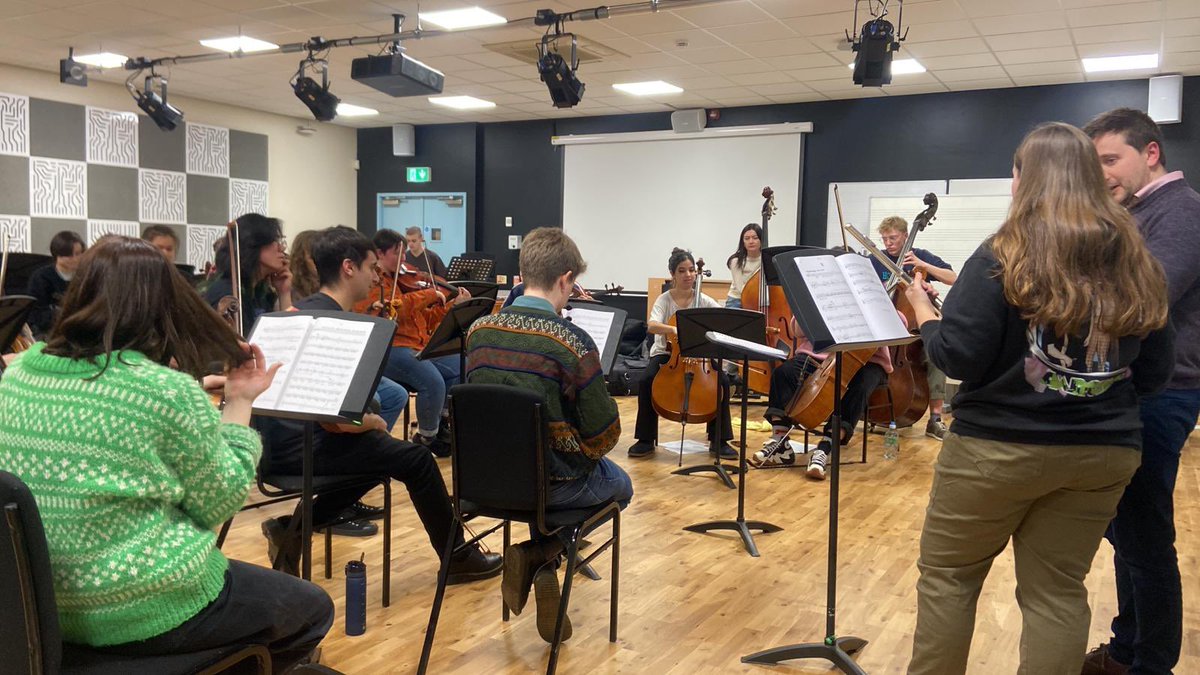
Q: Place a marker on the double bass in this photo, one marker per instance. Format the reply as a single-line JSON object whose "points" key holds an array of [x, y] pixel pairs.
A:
{"points": [[686, 389], [770, 301]]}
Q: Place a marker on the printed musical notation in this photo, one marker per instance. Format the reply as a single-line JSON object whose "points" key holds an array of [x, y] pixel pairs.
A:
{"points": [[850, 299], [597, 324], [319, 357]]}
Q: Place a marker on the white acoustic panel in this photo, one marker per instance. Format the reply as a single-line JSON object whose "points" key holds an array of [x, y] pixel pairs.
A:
{"points": [[200, 240], [57, 188], [162, 197], [99, 228], [856, 204], [961, 225], [248, 196], [112, 137], [18, 230], [14, 125], [207, 150]]}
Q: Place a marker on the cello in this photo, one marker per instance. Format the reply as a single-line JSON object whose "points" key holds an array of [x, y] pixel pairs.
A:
{"points": [[685, 389], [770, 301]]}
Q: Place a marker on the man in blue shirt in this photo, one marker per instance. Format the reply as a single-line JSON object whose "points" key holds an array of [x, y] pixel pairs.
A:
{"points": [[893, 230]]}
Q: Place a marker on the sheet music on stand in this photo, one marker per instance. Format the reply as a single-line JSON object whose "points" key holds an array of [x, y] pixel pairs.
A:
{"points": [[471, 269], [603, 324]]}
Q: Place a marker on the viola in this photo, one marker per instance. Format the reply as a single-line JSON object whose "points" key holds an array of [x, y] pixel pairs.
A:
{"points": [[768, 300], [686, 390]]}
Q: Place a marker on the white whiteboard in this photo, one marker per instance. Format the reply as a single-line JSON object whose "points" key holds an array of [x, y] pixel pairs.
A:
{"points": [[980, 186], [627, 204], [856, 204], [962, 222]]}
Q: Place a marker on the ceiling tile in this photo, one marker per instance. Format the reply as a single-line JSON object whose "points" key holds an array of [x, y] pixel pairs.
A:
{"points": [[1046, 68], [1034, 40], [1118, 32], [946, 30], [939, 63], [722, 14], [796, 45], [754, 33], [966, 74], [971, 85]]}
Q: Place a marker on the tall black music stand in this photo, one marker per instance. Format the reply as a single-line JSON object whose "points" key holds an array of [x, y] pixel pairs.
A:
{"points": [[695, 340], [480, 289], [471, 269], [14, 310], [451, 334]]}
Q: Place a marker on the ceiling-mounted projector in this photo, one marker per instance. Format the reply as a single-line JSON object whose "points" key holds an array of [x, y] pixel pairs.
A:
{"points": [[397, 75]]}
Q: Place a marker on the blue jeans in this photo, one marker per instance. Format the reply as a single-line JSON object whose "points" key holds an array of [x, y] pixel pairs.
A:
{"points": [[606, 481], [426, 379], [1148, 628], [735, 303], [392, 399]]}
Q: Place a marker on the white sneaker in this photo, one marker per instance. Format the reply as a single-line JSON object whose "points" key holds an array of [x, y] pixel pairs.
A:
{"points": [[775, 452], [816, 463]]}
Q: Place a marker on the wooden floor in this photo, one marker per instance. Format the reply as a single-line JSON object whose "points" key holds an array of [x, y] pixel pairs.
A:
{"points": [[694, 603]]}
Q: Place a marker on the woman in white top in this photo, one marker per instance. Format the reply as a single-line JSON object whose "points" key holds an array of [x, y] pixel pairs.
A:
{"points": [[744, 263], [681, 296]]}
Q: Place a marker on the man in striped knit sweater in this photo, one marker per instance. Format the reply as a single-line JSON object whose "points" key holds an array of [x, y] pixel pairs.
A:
{"points": [[530, 345]]}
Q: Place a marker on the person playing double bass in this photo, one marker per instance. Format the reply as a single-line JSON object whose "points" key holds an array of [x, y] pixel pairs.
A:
{"points": [[681, 295], [893, 230]]}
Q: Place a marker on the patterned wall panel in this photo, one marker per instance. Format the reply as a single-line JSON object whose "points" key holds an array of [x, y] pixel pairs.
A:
{"points": [[207, 150], [162, 197], [112, 137], [18, 231], [200, 240], [57, 188], [14, 125], [248, 196], [99, 228]]}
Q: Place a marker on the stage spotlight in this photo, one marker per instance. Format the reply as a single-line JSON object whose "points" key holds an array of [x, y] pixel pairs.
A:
{"points": [[152, 99], [317, 97], [71, 71], [566, 91], [873, 48]]}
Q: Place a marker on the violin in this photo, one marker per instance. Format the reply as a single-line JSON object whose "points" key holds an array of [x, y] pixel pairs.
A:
{"points": [[686, 390], [410, 278], [230, 307], [768, 300]]}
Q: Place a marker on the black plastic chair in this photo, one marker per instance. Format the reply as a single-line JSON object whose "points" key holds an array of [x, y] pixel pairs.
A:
{"points": [[31, 640], [499, 447]]}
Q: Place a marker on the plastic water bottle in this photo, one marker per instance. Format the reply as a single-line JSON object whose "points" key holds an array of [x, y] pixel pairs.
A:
{"points": [[891, 442], [356, 597]]}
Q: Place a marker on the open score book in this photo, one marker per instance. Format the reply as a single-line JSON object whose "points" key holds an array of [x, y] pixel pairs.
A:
{"points": [[849, 305]]}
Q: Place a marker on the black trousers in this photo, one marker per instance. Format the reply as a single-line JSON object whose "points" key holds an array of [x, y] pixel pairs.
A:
{"points": [[790, 374], [646, 429], [288, 615], [373, 452]]}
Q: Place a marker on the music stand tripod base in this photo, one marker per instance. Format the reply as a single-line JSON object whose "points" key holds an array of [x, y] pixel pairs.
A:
{"points": [[836, 650], [742, 527], [716, 467]]}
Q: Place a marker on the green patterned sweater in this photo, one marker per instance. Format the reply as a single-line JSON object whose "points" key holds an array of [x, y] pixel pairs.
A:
{"points": [[132, 471], [533, 348]]}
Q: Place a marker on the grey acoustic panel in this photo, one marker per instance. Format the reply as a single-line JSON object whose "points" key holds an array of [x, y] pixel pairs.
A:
{"points": [[200, 239], [248, 196], [207, 150], [18, 230], [248, 156], [162, 150], [57, 130], [57, 188], [162, 197], [99, 228], [44, 229], [207, 200], [112, 193], [14, 184], [112, 137], [14, 125]]}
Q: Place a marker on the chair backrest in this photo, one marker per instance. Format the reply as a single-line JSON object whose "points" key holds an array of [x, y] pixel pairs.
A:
{"points": [[29, 638], [498, 446]]}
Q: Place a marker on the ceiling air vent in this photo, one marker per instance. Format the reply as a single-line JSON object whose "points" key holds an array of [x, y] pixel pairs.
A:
{"points": [[526, 51]]}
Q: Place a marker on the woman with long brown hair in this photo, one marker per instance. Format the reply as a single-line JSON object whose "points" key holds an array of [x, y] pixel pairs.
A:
{"points": [[304, 271], [133, 468], [1055, 327]]}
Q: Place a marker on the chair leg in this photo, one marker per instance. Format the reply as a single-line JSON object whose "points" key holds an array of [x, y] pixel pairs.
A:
{"points": [[504, 551], [865, 413], [387, 542], [329, 553], [223, 533], [572, 556], [616, 576], [438, 595]]}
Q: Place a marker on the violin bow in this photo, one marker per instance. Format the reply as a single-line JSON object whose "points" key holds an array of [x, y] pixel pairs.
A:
{"points": [[4, 262], [837, 198], [234, 241]]}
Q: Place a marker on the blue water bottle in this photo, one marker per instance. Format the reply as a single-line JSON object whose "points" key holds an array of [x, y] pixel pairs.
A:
{"points": [[356, 597]]}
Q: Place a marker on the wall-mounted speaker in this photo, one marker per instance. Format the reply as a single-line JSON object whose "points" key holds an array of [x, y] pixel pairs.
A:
{"points": [[686, 121], [1166, 99], [404, 142]]}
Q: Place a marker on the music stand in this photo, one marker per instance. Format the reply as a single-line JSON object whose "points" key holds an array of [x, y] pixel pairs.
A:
{"points": [[14, 310], [480, 289], [470, 269], [451, 334], [21, 266]]}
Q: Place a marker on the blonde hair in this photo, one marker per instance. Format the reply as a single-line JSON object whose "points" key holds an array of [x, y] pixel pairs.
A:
{"points": [[1068, 253], [547, 253], [893, 224], [304, 270]]}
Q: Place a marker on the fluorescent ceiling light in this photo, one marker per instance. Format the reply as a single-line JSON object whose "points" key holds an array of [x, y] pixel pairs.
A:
{"points": [[350, 110], [461, 102], [647, 88], [1108, 63], [904, 67], [103, 60], [240, 43], [454, 19]]}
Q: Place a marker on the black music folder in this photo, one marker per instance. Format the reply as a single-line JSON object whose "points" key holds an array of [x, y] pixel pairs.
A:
{"points": [[332, 362], [838, 300]]}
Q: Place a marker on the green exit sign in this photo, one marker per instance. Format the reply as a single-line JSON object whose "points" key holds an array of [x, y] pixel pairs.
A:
{"points": [[419, 174]]}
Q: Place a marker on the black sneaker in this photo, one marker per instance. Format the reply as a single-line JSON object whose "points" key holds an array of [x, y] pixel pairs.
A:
{"points": [[475, 565], [361, 511], [641, 449], [438, 447], [353, 528], [283, 545], [726, 451]]}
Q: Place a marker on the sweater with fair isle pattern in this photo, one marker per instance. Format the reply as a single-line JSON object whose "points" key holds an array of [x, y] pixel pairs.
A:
{"points": [[529, 346], [132, 470]]}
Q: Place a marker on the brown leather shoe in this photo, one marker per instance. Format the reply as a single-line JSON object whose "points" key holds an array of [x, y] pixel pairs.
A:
{"points": [[1100, 662]]}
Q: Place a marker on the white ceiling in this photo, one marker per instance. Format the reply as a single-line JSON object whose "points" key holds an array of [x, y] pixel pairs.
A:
{"points": [[737, 53]]}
